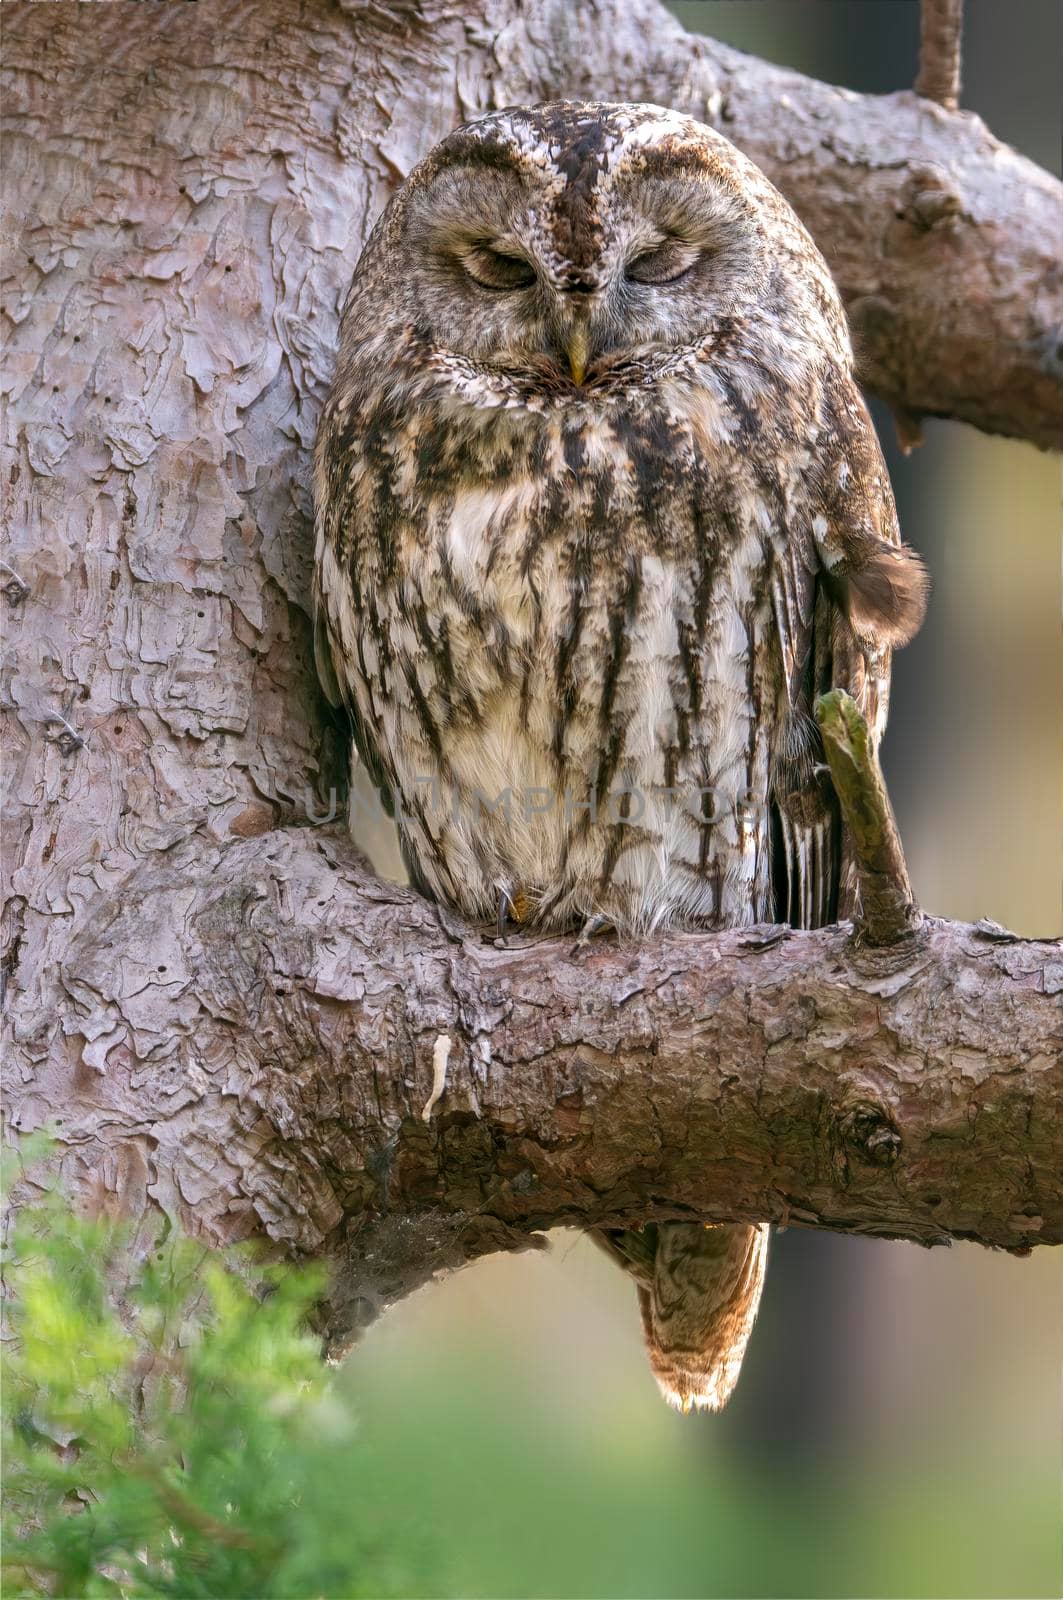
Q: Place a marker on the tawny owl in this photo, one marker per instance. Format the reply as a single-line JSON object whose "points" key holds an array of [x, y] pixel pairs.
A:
{"points": [[600, 511]]}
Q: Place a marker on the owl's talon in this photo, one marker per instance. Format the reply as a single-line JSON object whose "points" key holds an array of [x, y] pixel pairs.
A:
{"points": [[505, 920], [591, 928]]}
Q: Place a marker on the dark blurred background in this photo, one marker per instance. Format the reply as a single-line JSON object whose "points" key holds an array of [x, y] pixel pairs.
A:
{"points": [[897, 1428]]}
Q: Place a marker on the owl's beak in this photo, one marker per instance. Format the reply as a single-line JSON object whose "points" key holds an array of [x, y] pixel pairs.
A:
{"points": [[578, 350]]}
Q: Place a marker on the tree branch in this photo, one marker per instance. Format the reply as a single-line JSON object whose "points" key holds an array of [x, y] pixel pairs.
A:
{"points": [[888, 911], [273, 1001], [940, 51], [945, 243]]}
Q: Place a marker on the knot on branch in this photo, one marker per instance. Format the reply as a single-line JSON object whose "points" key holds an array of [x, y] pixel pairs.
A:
{"points": [[868, 1130], [929, 198], [15, 588]]}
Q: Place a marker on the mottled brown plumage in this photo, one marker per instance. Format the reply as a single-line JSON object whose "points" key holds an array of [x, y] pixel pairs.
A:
{"points": [[600, 511]]}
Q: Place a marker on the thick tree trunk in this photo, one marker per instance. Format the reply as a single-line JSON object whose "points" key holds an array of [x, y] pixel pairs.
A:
{"points": [[225, 1017]]}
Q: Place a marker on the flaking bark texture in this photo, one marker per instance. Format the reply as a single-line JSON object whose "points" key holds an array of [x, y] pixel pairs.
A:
{"points": [[274, 1017], [228, 1020]]}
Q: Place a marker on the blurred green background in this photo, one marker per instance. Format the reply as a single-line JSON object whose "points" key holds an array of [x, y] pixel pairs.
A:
{"points": [[897, 1428]]}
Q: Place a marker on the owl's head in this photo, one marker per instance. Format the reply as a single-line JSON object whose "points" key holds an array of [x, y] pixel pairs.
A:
{"points": [[560, 239]]}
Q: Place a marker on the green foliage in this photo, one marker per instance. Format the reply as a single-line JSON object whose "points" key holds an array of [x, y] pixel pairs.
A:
{"points": [[170, 1428]]}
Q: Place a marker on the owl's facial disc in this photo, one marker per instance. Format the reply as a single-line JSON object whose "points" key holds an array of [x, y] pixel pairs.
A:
{"points": [[564, 270], [525, 303]]}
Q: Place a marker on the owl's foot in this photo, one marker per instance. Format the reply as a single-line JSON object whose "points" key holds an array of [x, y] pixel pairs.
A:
{"points": [[590, 930]]}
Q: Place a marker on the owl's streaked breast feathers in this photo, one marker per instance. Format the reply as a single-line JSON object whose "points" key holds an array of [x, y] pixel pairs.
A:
{"points": [[600, 512]]}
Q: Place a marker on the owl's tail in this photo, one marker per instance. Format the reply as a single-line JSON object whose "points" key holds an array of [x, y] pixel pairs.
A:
{"points": [[699, 1288]]}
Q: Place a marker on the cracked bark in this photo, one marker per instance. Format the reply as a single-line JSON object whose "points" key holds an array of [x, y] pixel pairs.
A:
{"points": [[230, 1020], [282, 1011]]}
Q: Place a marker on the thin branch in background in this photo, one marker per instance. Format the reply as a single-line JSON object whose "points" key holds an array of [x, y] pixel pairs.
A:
{"points": [[888, 911], [940, 52]]}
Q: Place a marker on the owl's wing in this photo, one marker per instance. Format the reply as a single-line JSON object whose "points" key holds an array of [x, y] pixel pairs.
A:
{"points": [[330, 509], [846, 592], [326, 671]]}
